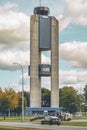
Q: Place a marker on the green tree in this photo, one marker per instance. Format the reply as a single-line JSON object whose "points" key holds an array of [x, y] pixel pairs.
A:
{"points": [[18, 109], [70, 100], [84, 108], [4, 105], [85, 93], [45, 97], [27, 96]]}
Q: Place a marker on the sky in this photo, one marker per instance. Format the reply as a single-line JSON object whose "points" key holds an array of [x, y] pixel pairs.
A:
{"points": [[15, 42]]}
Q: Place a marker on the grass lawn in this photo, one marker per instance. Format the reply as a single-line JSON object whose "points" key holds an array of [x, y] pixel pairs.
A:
{"points": [[74, 123], [14, 119], [11, 128]]}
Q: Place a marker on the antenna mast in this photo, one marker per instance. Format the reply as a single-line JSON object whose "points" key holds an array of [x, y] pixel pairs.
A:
{"points": [[40, 2]]}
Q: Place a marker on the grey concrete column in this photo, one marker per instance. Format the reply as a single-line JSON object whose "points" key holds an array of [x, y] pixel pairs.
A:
{"points": [[54, 63], [35, 81]]}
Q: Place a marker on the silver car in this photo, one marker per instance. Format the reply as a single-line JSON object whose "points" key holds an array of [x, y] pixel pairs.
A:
{"points": [[51, 120]]}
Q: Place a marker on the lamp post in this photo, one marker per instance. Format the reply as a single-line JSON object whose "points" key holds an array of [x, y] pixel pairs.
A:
{"points": [[22, 90]]}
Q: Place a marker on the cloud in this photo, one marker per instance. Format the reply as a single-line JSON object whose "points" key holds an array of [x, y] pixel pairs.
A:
{"points": [[74, 11], [6, 7], [14, 37], [77, 9], [45, 59], [74, 78], [68, 77], [74, 53], [14, 27], [46, 82], [64, 22], [7, 58]]}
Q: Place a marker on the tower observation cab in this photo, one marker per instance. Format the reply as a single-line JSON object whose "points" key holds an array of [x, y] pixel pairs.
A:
{"points": [[41, 10]]}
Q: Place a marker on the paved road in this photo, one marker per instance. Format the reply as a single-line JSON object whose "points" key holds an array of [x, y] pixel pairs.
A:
{"points": [[47, 127], [79, 120]]}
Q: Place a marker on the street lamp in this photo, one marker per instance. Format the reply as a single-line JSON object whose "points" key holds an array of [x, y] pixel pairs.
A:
{"points": [[22, 90]]}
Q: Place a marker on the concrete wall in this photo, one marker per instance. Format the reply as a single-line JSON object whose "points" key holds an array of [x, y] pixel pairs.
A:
{"points": [[35, 81], [54, 63]]}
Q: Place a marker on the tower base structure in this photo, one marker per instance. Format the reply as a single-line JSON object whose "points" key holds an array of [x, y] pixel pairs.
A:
{"points": [[42, 111]]}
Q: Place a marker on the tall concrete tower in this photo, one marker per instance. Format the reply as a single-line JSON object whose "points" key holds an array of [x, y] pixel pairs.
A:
{"points": [[43, 37]]}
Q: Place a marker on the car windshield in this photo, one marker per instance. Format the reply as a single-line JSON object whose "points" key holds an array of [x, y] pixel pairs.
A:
{"points": [[47, 118]]}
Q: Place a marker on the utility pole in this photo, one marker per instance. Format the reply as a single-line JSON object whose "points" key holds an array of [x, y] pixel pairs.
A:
{"points": [[22, 90]]}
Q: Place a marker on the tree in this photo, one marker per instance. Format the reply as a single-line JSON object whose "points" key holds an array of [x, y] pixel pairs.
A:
{"points": [[27, 96], [1, 94], [18, 109], [12, 98], [70, 100], [45, 97], [85, 94], [4, 105], [85, 98]]}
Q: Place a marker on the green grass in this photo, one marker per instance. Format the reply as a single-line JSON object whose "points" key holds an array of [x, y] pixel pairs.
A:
{"points": [[74, 123], [5, 129], [12, 128], [76, 118], [14, 119]]}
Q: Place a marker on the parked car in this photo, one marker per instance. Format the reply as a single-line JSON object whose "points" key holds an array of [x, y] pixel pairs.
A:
{"points": [[51, 120], [77, 115], [66, 116]]}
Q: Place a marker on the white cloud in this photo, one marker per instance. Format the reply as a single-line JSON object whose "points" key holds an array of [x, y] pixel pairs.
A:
{"points": [[6, 7], [68, 77], [46, 82], [64, 21], [14, 27], [14, 37], [74, 11], [75, 53], [74, 78], [77, 9], [45, 59], [7, 58]]}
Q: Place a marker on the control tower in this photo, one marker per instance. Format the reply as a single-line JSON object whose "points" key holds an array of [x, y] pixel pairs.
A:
{"points": [[43, 37]]}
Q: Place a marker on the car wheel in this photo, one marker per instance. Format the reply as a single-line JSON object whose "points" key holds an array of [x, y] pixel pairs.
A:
{"points": [[50, 122], [41, 123], [58, 123]]}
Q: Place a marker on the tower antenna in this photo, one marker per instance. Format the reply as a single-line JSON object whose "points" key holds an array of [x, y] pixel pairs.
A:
{"points": [[40, 2]]}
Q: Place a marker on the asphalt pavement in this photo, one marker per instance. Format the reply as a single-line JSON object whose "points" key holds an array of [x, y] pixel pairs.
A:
{"points": [[47, 127]]}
